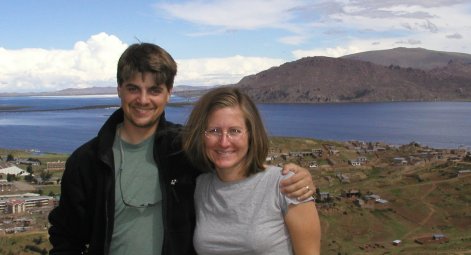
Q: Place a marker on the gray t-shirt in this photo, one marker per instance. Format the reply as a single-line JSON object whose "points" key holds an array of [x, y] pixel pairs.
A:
{"points": [[242, 217], [137, 230]]}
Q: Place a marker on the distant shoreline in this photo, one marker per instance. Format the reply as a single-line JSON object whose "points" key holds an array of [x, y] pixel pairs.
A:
{"points": [[60, 127], [90, 107], [27, 109], [34, 151]]}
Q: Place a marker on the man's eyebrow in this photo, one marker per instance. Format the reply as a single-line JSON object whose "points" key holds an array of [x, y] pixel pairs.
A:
{"points": [[161, 86]]}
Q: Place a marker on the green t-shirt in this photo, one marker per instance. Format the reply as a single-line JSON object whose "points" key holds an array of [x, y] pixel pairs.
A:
{"points": [[136, 230]]}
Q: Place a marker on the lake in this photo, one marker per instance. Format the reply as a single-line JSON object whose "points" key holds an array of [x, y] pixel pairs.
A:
{"points": [[44, 125]]}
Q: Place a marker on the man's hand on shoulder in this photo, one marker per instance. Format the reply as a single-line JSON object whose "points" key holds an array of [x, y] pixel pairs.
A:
{"points": [[300, 185]]}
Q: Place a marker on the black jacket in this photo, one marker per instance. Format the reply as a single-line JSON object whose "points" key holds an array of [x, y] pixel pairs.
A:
{"points": [[83, 221]]}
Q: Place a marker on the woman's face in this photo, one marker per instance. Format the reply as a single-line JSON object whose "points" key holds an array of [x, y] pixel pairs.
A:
{"points": [[226, 141]]}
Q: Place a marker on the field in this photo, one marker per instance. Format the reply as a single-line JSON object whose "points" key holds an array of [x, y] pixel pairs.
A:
{"points": [[25, 244], [424, 199]]}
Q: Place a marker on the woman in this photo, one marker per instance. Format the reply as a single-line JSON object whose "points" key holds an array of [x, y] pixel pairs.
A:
{"points": [[238, 210]]}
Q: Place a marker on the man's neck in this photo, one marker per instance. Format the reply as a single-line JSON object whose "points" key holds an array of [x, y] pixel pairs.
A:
{"points": [[134, 135]]}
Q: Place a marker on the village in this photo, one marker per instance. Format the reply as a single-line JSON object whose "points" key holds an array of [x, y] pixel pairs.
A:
{"points": [[27, 197], [344, 167], [23, 205]]}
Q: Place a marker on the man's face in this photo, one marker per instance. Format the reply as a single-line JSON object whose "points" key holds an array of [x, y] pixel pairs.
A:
{"points": [[142, 101]]}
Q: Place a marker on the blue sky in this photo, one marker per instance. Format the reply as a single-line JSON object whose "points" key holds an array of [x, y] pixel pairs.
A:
{"points": [[54, 44]]}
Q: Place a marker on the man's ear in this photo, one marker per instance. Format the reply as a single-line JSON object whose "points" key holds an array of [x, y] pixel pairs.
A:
{"points": [[119, 90], [169, 95]]}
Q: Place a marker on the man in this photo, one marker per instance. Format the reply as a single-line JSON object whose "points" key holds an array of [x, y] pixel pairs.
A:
{"points": [[130, 189]]}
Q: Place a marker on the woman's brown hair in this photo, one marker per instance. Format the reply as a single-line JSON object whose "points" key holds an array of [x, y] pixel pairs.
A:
{"points": [[222, 97]]}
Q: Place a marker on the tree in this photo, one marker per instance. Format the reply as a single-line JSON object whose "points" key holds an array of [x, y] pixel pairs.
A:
{"points": [[35, 160], [11, 177], [45, 175], [38, 240], [29, 178], [467, 157], [10, 157], [29, 169]]}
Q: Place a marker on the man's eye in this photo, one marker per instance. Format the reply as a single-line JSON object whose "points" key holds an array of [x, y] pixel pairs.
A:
{"points": [[156, 91], [132, 89]]}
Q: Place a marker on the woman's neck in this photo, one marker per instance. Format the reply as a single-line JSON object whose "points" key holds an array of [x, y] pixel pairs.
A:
{"points": [[231, 175]]}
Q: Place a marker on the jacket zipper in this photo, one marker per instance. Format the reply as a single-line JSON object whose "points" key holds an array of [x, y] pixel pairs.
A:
{"points": [[106, 245], [172, 187]]}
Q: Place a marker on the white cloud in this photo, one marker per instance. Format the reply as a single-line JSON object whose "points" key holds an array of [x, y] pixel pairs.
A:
{"points": [[301, 22], [327, 52], [305, 28], [89, 63], [93, 63], [220, 71], [233, 14], [236, 15], [454, 36], [356, 26]]}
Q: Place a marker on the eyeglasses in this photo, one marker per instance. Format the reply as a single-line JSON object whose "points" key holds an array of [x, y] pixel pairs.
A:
{"points": [[231, 133], [126, 203]]}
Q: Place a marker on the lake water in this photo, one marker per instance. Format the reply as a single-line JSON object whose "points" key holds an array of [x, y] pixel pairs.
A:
{"points": [[43, 126]]}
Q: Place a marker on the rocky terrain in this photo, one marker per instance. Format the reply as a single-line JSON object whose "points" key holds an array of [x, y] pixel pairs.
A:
{"points": [[356, 79], [400, 74]]}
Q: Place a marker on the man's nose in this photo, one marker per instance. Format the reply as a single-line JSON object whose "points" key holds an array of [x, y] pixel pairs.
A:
{"points": [[143, 97]]}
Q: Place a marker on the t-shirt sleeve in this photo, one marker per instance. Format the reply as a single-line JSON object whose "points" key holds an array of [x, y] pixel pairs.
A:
{"points": [[285, 201]]}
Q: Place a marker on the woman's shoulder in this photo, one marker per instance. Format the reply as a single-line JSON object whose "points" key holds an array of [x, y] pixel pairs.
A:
{"points": [[276, 172], [204, 177], [273, 170], [272, 173]]}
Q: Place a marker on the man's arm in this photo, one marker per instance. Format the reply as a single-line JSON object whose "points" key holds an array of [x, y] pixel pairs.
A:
{"points": [[67, 217], [300, 185]]}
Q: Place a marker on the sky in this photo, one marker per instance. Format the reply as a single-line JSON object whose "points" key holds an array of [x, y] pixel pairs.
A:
{"points": [[51, 45]]}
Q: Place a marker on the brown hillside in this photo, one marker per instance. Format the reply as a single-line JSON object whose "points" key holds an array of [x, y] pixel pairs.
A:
{"points": [[418, 58], [324, 79], [454, 68]]}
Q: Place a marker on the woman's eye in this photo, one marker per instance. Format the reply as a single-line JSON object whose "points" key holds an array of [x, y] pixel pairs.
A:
{"points": [[234, 131]]}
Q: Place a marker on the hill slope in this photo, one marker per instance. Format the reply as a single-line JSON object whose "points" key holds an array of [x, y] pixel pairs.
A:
{"points": [[324, 79], [411, 57]]}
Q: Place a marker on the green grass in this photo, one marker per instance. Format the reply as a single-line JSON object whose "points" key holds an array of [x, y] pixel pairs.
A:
{"points": [[376, 172], [348, 228], [24, 244], [47, 189]]}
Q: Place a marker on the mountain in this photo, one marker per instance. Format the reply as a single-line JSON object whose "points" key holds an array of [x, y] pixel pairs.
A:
{"points": [[324, 80], [183, 90], [190, 92], [411, 57], [86, 91], [69, 92], [400, 74]]}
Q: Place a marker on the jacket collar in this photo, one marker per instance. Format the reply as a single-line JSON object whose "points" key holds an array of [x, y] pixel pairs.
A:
{"points": [[107, 132]]}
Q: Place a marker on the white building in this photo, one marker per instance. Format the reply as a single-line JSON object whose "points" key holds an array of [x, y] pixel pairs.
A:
{"points": [[7, 168]]}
